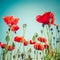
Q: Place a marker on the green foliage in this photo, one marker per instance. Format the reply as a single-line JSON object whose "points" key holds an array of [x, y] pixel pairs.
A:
{"points": [[13, 44], [57, 55], [35, 36], [7, 38]]}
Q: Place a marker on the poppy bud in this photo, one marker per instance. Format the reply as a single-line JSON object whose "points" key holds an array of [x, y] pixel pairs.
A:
{"points": [[57, 27]]}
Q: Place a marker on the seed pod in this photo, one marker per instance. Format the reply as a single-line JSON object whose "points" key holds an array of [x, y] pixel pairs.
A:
{"points": [[57, 27]]}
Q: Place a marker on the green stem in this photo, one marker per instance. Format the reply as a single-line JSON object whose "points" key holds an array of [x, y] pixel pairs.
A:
{"points": [[24, 31], [34, 54], [10, 55], [49, 37], [43, 55], [37, 55], [4, 55]]}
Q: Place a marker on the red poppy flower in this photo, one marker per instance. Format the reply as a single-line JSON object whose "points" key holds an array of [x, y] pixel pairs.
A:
{"points": [[38, 46], [39, 18], [32, 42], [46, 46], [42, 39], [3, 46], [46, 18], [10, 20], [25, 43], [0, 44], [14, 28], [10, 48], [18, 39], [15, 21]]}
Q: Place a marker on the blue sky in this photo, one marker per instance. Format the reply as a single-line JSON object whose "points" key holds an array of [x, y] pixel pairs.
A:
{"points": [[27, 10]]}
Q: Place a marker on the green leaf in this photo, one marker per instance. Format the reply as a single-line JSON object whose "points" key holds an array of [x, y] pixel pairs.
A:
{"points": [[13, 44], [7, 38], [36, 35], [33, 38]]}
